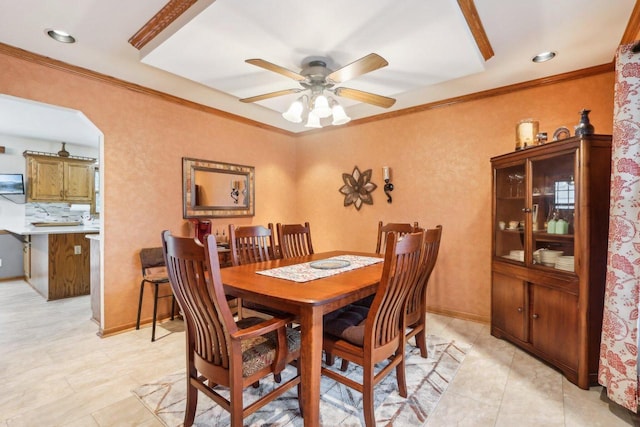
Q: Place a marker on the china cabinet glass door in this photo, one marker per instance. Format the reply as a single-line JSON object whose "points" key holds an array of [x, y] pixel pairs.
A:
{"points": [[510, 203], [552, 211]]}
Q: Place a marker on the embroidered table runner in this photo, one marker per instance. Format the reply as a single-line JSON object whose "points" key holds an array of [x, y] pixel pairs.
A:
{"points": [[305, 272]]}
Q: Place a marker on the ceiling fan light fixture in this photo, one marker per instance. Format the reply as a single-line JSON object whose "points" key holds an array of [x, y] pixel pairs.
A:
{"points": [[321, 106], [294, 113], [339, 115], [313, 121]]}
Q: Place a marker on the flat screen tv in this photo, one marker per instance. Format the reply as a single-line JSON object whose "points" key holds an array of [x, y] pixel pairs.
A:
{"points": [[11, 183]]}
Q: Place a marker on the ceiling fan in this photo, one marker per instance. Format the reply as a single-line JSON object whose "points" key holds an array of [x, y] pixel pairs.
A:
{"points": [[316, 77]]}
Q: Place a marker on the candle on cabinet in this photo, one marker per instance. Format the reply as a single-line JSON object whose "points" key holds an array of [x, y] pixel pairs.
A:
{"points": [[385, 172]]}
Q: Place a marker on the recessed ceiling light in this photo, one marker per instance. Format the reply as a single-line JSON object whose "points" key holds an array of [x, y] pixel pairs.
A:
{"points": [[544, 56], [61, 36]]}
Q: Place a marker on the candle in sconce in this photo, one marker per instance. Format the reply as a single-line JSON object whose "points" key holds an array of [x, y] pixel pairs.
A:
{"points": [[385, 172]]}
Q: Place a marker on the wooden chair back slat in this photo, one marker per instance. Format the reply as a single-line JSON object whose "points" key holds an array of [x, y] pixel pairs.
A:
{"points": [[416, 305], [249, 244], [199, 299], [399, 228], [294, 240], [400, 271]]}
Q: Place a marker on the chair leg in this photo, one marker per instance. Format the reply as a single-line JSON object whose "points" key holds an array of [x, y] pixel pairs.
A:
{"points": [[421, 342], [367, 397], [239, 308], [237, 406], [344, 365], [155, 311], [192, 402], [173, 306], [402, 378], [329, 359], [299, 389], [140, 304]]}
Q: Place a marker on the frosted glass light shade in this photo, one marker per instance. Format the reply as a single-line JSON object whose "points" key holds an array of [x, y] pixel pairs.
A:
{"points": [[313, 121], [339, 116], [294, 113], [321, 107]]}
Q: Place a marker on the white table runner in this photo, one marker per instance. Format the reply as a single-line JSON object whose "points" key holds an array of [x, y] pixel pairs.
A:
{"points": [[305, 273]]}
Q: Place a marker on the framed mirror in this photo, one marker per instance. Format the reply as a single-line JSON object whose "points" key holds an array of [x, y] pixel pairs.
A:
{"points": [[216, 189]]}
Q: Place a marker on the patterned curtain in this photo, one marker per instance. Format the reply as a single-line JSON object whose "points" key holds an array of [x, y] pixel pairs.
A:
{"points": [[618, 370]]}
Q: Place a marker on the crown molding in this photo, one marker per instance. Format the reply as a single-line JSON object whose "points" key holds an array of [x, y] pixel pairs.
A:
{"points": [[83, 72]]}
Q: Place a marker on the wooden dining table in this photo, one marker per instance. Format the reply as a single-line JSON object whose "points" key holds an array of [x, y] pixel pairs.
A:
{"points": [[309, 301]]}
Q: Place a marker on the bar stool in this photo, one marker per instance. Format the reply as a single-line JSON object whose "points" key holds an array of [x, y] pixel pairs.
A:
{"points": [[154, 271]]}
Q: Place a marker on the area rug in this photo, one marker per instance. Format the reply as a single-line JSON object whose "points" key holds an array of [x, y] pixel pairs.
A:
{"points": [[427, 379]]}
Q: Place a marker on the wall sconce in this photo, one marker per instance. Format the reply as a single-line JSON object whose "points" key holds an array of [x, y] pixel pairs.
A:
{"points": [[388, 186], [235, 191]]}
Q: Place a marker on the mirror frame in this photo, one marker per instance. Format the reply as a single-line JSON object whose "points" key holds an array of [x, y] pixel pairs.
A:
{"points": [[190, 166]]}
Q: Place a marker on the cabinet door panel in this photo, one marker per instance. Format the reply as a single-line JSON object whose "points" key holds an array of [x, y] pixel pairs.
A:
{"points": [[45, 179], [69, 269], [78, 181], [508, 308], [554, 322]]}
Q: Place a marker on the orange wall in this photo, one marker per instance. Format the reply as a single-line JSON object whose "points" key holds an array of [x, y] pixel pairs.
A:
{"points": [[439, 160], [145, 138], [442, 175]]}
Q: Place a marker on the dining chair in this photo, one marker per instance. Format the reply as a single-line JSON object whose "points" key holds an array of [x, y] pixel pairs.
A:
{"points": [[249, 244], [416, 305], [370, 336], [383, 230], [219, 350], [154, 272], [294, 240], [253, 243]]}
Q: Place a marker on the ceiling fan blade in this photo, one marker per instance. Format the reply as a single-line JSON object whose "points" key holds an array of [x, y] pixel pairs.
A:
{"points": [[275, 68], [270, 95], [357, 68], [362, 96]]}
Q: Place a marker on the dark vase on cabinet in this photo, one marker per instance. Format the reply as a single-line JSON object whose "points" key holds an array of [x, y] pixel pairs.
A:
{"points": [[548, 272]]}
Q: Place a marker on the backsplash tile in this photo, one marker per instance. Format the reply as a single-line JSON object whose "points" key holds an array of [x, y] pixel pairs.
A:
{"points": [[50, 212]]}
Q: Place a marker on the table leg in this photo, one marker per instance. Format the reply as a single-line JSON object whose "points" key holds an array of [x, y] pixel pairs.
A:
{"points": [[310, 363]]}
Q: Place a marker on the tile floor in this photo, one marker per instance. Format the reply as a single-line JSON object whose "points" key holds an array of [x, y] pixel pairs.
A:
{"points": [[55, 371]]}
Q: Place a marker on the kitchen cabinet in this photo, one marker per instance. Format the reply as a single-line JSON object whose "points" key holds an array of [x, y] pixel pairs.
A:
{"points": [[550, 216], [59, 179], [60, 265]]}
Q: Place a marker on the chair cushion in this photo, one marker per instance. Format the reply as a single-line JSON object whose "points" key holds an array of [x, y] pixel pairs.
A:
{"points": [[260, 352], [347, 323], [156, 274]]}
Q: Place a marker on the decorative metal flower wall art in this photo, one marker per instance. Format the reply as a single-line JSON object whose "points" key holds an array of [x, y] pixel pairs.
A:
{"points": [[357, 188]]}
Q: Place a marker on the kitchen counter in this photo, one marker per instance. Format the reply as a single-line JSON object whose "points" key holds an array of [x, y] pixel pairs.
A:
{"points": [[25, 230], [56, 258]]}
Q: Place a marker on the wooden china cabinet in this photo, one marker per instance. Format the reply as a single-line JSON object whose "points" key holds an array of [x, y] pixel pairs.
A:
{"points": [[549, 249]]}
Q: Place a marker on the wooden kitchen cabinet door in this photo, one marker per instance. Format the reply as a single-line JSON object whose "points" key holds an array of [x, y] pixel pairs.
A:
{"points": [[78, 180], [45, 179], [69, 268], [56, 179]]}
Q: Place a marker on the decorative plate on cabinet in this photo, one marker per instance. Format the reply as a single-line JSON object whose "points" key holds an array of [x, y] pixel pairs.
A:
{"points": [[561, 133]]}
